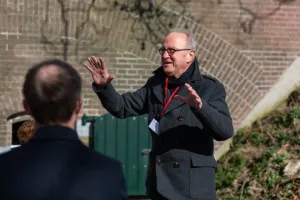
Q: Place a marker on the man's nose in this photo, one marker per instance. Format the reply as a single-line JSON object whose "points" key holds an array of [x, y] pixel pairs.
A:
{"points": [[165, 55]]}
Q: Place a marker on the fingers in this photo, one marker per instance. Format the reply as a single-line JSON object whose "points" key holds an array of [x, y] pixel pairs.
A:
{"points": [[189, 87], [180, 98], [88, 68], [191, 91], [102, 64], [98, 67], [95, 64], [90, 60]]}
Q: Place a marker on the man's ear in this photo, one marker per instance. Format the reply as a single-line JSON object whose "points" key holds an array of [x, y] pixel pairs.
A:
{"points": [[79, 105], [190, 56], [26, 107]]}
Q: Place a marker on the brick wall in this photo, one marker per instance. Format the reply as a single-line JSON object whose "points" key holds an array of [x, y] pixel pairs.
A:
{"points": [[247, 63], [273, 42]]}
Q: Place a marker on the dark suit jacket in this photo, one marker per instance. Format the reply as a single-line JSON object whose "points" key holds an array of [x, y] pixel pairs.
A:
{"points": [[181, 163], [55, 164]]}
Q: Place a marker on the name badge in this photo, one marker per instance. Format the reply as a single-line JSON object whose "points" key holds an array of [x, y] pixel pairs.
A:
{"points": [[154, 126]]}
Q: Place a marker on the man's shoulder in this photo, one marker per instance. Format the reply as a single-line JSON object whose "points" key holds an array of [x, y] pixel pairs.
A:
{"points": [[4, 150], [7, 157], [99, 158], [212, 84], [4, 154], [9, 151], [211, 80], [154, 80], [156, 77], [109, 160]]}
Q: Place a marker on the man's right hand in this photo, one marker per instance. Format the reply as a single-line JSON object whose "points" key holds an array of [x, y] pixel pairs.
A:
{"points": [[99, 72]]}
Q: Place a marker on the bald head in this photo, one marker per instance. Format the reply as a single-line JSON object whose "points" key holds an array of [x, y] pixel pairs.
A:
{"points": [[49, 81], [48, 73], [51, 91], [189, 36]]}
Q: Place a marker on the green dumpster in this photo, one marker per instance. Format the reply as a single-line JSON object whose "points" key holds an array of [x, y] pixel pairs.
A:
{"points": [[127, 140]]}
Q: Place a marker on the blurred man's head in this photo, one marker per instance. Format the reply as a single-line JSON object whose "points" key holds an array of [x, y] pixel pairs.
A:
{"points": [[52, 93], [177, 52]]}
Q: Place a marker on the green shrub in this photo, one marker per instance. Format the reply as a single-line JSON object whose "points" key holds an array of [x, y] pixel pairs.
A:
{"points": [[253, 168]]}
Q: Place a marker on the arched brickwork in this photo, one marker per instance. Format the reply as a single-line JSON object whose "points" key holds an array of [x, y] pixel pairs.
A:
{"points": [[239, 74], [21, 47]]}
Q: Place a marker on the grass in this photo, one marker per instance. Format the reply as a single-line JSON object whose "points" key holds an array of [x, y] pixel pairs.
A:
{"points": [[254, 167]]}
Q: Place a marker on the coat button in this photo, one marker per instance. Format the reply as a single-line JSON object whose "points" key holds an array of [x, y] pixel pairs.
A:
{"points": [[176, 165], [179, 118], [158, 161]]}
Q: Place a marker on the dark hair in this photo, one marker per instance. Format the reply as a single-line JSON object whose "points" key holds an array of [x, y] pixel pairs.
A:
{"points": [[53, 98]]}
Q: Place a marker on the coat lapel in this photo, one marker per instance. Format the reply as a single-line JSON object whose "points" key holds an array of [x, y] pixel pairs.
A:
{"points": [[158, 92], [158, 84], [183, 91], [195, 82]]}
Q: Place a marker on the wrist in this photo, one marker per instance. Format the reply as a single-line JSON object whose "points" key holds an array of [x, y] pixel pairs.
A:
{"points": [[100, 86], [199, 105]]}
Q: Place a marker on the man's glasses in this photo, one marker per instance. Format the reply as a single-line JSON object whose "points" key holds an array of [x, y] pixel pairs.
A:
{"points": [[171, 51]]}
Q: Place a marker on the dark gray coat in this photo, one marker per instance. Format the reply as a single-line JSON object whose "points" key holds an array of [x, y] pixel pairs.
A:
{"points": [[181, 162]]}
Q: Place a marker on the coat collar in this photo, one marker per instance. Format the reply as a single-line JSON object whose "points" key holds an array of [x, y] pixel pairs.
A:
{"points": [[55, 132], [159, 83]]}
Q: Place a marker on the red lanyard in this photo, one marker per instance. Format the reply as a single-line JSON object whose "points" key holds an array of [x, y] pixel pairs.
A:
{"points": [[167, 102]]}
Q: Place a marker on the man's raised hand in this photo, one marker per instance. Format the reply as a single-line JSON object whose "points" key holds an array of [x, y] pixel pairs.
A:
{"points": [[192, 99], [99, 71]]}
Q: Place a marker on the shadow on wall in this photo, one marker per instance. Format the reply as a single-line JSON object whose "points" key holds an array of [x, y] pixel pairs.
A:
{"points": [[279, 93]]}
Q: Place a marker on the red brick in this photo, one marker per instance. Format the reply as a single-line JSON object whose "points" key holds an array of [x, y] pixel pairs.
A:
{"points": [[273, 45]]}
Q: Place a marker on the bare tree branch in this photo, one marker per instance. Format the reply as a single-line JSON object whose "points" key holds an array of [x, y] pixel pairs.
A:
{"points": [[64, 40], [152, 17], [247, 24], [44, 39], [150, 21], [66, 16], [79, 29]]}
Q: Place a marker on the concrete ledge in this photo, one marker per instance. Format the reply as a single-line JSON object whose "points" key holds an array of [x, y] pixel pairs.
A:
{"points": [[287, 83], [279, 93], [224, 148]]}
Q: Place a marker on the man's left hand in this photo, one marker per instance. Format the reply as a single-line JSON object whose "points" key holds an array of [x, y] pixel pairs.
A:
{"points": [[192, 99]]}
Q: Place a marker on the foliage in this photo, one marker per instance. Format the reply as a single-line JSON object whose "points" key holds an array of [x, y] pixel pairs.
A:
{"points": [[253, 168]]}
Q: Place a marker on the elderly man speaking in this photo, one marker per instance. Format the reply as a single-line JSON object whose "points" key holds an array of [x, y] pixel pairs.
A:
{"points": [[186, 111]]}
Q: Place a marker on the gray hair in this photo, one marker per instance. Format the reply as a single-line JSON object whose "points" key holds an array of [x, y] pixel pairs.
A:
{"points": [[191, 43]]}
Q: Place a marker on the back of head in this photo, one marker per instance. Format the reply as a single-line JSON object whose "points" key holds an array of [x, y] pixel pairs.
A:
{"points": [[52, 90]]}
